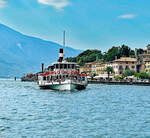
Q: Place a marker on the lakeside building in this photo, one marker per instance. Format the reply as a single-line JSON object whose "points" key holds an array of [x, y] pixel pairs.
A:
{"points": [[100, 68], [87, 68], [123, 64], [147, 66], [108, 64], [139, 64], [142, 58], [93, 68], [148, 49]]}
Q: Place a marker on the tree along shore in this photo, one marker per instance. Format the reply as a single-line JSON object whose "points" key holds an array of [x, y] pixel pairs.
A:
{"points": [[97, 55]]}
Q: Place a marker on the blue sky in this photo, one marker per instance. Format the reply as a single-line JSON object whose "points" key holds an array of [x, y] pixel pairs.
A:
{"points": [[89, 23]]}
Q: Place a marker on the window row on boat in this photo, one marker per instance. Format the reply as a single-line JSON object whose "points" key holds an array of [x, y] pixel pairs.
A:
{"points": [[65, 66], [62, 77]]}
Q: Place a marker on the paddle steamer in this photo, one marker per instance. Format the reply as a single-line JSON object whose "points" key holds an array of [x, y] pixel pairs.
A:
{"points": [[62, 75]]}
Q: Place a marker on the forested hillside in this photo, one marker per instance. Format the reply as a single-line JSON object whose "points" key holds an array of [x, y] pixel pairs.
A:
{"points": [[97, 55]]}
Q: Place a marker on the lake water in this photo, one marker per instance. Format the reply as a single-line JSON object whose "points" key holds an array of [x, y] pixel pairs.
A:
{"points": [[105, 111]]}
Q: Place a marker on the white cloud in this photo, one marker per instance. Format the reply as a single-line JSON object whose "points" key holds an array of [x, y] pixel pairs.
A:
{"points": [[127, 16], [58, 4], [3, 3]]}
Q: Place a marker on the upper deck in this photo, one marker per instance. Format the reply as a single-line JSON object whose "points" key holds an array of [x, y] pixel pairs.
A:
{"points": [[63, 66]]}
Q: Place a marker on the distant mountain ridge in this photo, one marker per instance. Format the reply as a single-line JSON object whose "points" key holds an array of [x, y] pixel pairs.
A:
{"points": [[21, 54]]}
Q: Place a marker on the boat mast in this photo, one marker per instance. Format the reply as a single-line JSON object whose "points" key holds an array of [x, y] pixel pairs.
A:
{"points": [[64, 43], [64, 37]]}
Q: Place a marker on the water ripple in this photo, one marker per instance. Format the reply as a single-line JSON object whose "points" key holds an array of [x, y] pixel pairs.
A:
{"points": [[100, 111]]}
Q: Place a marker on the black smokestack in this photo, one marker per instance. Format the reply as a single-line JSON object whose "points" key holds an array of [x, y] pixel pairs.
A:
{"points": [[61, 50], [61, 55], [42, 67]]}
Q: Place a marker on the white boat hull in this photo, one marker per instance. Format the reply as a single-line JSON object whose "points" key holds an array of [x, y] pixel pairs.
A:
{"points": [[63, 87]]}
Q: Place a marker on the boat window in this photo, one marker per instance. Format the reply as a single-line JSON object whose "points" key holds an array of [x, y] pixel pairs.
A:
{"points": [[61, 66], [56, 66], [48, 78], [65, 66], [69, 66], [44, 78], [73, 66]]}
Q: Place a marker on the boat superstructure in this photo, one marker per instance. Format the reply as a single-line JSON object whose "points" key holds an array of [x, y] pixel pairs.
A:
{"points": [[62, 75]]}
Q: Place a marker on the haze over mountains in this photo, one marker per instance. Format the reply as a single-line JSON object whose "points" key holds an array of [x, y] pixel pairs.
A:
{"points": [[21, 54]]}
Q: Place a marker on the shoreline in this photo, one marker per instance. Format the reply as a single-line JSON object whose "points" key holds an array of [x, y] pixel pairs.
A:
{"points": [[119, 83]]}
